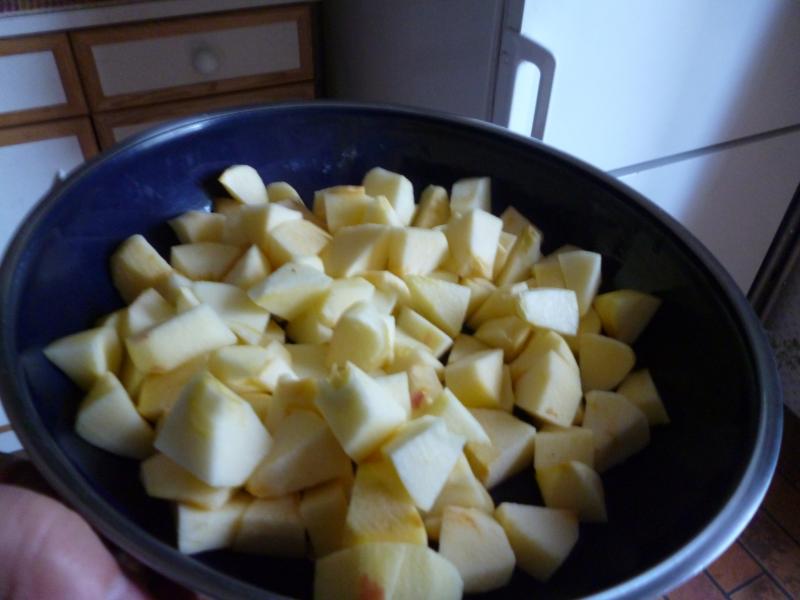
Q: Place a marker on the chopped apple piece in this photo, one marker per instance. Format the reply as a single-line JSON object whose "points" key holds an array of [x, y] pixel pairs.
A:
{"points": [[550, 390], [160, 391], [386, 570], [251, 368], [604, 361], [423, 385], [108, 419], [557, 446], [342, 294], [620, 428], [573, 486], [147, 310], [589, 323], [308, 329], [290, 290], [418, 327], [198, 226], [295, 239], [163, 478], [252, 224], [548, 274], [358, 249], [86, 356], [201, 530], [304, 453], [363, 336], [423, 452], [441, 302], [476, 379], [343, 210], [272, 527], [131, 378], [510, 449], [479, 289], [397, 189], [513, 221], [433, 209], [178, 340], [204, 260], [309, 360], [509, 334], [464, 345], [478, 547], [581, 270], [542, 538], [540, 343], [502, 302], [416, 251], [278, 191], [472, 193], [324, 510], [473, 239], [213, 433], [457, 418], [625, 313], [251, 268], [550, 308], [380, 509], [232, 304], [225, 205], [525, 252], [507, 396], [396, 385], [638, 387], [136, 266], [244, 184], [390, 283], [358, 410]]}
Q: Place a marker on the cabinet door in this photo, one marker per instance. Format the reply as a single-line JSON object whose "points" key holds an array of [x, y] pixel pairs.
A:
{"points": [[38, 80], [732, 200], [637, 80], [31, 158]]}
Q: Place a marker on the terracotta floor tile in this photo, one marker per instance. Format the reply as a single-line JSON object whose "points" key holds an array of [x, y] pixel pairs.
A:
{"points": [[775, 550], [733, 568], [783, 504], [699, 587], [761, 588]]}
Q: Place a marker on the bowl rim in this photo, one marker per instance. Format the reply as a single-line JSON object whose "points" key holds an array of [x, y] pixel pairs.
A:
{"points": [[67, 480]]}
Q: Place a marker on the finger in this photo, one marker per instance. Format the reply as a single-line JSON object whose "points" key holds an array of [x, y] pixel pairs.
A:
{"points": [[48, 551]]}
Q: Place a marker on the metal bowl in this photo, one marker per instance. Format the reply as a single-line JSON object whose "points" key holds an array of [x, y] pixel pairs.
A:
{"points": [[672, 508]]}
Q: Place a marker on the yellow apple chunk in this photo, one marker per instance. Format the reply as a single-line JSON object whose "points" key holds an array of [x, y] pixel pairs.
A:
{"points": [[213, 433], [380, 509], [542, 538], [464, 345], [479, 290], [108, 419], [581, 270], [358, 410], [604, 361], [541, 343], [625, 313], [198, 226], [471, 193], [204, 260], [473, 238], [290, 290], [513, 221], [294, 239], [252, 224], [163, 478], [304, 453], [201, 530], [416, 251], [457, 418], [418, 327], [309, 360], [548, 274], [342, 294], [589, 323], [160, 391], [550, 308], [441, 302], [638, 387], [478, 547], [619, 427], [232, 305], [573, 486], [501, 302], [506, 333], [147, 310], [357, 249], [562, 445], [324, 509], [244, 184], [178, 340], [397, 189], [505, 243], [509, 452], [433, 208], [249, 269], [396, 386], [423, 452], [549, 390], [272, 527], [136, 266], [364, 337], [86, 356], [524, 253], [476, 379]]}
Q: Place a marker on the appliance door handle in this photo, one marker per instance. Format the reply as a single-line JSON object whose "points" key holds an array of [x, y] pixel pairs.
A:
{"points": [[515, 50]]}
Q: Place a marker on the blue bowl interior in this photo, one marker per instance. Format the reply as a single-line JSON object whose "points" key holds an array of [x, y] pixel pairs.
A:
{"points": [[704, 348]]}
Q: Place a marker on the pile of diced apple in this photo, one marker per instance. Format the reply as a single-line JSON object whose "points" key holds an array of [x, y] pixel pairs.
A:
{"points": [[350, 382]]}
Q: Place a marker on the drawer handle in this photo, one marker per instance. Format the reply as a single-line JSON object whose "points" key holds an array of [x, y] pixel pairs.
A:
{"points": [[205, 61]]}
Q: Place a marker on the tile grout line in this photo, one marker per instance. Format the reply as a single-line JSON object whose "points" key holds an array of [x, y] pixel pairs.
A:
{"points": [[780, 526], [746, 582], [765, 570], [715, 583]]}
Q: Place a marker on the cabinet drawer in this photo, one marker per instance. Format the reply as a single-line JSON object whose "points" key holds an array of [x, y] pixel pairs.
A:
{"points": [[31, 157], [157, 62], [39, 80], [115, 126]]}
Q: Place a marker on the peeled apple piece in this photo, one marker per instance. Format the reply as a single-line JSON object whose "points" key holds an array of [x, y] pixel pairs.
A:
{"points": [[604, 362], [244, 184], [625, 313], [550, 308], [620, 428], [87, 355]]}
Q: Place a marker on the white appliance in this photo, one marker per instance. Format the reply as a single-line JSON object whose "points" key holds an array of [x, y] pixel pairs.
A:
{"points": [[695, 103]]}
